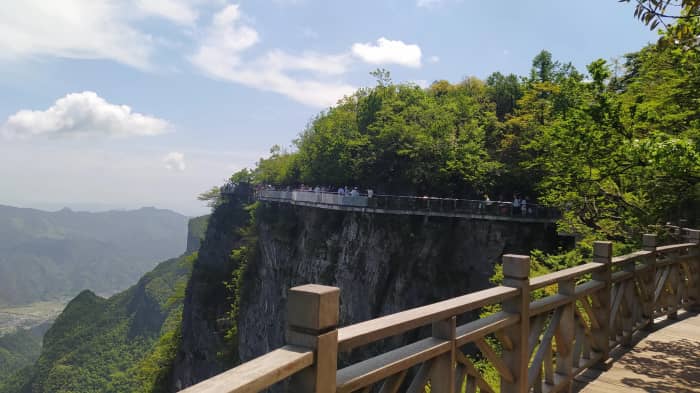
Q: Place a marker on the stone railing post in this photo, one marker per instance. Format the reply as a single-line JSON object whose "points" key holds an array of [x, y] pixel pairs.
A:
{"points": [[649, 284], [602, 253], [312, 322], [516, 272], [693, 236]]}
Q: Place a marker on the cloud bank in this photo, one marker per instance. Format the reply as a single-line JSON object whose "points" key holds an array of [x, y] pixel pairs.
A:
{"points": [[389, 52], [220, 56], [79, 114], [218, 46]]}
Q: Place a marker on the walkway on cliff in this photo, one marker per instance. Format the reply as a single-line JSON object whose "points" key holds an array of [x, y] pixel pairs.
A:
{"points": [[665, 360], [407, 205]]}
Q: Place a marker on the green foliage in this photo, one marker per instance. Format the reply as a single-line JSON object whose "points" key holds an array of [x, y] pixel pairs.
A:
{"points": [[212, 196], [18, 350], [240, 257], [395, 138]]}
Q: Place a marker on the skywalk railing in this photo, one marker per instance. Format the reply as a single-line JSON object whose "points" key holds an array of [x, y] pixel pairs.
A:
{"points": [[412, 204], [535, 344]]}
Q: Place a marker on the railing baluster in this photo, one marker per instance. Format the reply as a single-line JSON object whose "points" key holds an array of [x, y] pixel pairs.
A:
{"points": [[516, 272], [565, 335], [602, 253], [693, 236], [649, 283], [312, 320], [442, 379]]}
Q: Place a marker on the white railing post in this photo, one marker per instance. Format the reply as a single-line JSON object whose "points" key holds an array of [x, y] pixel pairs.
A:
{"points": [[312, 322], [516, 272]]}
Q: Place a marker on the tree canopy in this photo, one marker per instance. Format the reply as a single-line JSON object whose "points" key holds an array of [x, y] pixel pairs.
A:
{"points": [[615, 150]]}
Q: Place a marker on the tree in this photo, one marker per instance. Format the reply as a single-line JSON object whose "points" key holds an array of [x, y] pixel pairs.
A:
{"points": [[504, 91], [543, 67], [676, 17]]}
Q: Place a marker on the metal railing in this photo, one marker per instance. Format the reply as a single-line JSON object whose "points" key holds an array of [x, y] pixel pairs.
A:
{"points": [[446, 206]]}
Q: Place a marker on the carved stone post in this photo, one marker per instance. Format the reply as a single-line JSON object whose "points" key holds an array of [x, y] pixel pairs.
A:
{"points": [[312, 321], [649, 244], [442, 379], [693, 236], [602, 253], [516, 271]]}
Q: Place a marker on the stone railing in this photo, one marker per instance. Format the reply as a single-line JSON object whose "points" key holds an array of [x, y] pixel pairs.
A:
{"points": [[534, 343], [413, 205]]}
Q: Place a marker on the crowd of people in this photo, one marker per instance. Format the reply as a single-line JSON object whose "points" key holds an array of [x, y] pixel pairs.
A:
{"points": [[519, 205], [342, 190]]}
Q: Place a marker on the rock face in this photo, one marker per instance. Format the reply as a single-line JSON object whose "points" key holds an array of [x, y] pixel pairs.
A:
{"points": [[381, 263]]}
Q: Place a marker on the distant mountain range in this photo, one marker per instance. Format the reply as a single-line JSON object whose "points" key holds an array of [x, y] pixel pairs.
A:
{"points": [[125, 343], [53, 255]]}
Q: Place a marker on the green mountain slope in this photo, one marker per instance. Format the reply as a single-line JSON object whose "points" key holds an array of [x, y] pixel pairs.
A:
{"points": [[50, 255], [122, 344], [20, 349]]}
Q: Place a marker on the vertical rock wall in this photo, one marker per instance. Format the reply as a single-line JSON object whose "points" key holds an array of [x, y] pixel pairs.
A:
{"points": [[382, 264]]}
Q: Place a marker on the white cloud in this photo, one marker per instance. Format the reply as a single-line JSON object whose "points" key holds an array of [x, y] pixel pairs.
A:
{"points": [[308, 61], [89, 29], [389, 52], [174, 161], [220, 55], [80, 114], [179, 11], [434, 59], [84, 29]]}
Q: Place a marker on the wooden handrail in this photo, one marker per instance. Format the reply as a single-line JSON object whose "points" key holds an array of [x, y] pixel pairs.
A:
{"points": [[630, 257], [674, 247], [362, 333], [563, 275], [547, 341], [259, 373]]}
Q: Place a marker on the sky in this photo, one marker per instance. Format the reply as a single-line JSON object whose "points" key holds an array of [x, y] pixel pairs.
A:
{"points": [[118, 104]]}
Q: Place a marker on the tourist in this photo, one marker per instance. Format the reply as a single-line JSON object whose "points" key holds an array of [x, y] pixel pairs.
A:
{"points": [[516, 203], [354, 192], [523, 206], [370, 193]]}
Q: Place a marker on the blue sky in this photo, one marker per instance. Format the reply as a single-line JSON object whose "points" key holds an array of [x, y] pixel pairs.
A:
{"points": [[128, 103]]}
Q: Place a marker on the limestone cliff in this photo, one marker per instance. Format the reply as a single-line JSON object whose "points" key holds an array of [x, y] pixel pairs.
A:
{"points": [[382, 264]]}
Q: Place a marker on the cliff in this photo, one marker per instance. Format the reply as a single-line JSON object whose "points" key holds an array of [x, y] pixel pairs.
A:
{"points": [[382, 263]]}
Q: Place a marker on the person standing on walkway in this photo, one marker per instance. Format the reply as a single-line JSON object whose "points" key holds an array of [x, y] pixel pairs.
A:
{"points": [[516, 204]]}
